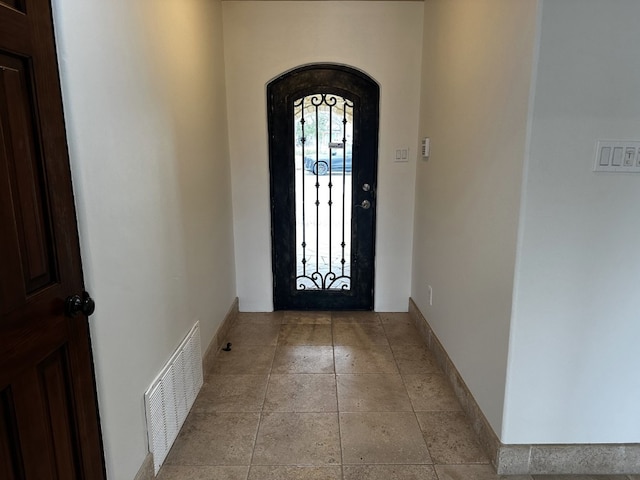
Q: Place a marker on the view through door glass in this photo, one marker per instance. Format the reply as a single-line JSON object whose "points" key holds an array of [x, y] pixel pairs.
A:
{"points": [[323, 141], [323, 160]]}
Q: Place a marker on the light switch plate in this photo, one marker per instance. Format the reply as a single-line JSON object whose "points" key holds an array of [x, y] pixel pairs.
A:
{"points": [[402, 154], [426, 147], [620, 156]]}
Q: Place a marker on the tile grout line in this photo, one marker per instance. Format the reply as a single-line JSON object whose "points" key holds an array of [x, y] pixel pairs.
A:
{"points": [[261, 412], [335, 377], [413, 410]]}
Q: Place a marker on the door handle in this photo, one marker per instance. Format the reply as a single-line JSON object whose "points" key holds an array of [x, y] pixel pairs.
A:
{"points": [[366, 205], [74, 304]]}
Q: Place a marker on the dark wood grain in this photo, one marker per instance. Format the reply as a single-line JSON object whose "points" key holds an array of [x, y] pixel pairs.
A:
{"points": [[49, 424], [11, 463], [25, 169], [17, 5]]}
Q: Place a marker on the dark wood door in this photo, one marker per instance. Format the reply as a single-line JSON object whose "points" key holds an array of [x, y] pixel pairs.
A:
{"points": [[48, 412], [323, 153]]}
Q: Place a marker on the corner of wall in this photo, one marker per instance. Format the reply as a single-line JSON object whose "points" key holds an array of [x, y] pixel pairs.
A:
{"points": [[603, 459], [521, 214], [146, 469], [218, 337], [481, 426]]}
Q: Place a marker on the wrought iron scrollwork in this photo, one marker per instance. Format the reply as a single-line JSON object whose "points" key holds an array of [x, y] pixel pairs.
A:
{"points": [[323, 130], [329, 281]]}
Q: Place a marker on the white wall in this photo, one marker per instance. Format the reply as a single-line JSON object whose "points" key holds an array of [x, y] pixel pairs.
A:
{"points": [[265, 39], [573, 370], [143, 87], [476, 76]]}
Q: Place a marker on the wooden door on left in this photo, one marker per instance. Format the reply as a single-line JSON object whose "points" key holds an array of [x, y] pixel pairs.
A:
{"points": [[49, 422]]}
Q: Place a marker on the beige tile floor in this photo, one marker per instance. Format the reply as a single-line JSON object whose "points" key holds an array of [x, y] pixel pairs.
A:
{"points": [[328, 396]]}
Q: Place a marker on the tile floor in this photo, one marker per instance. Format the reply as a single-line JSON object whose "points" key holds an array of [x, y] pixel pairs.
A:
{"points": [[328, 396]]}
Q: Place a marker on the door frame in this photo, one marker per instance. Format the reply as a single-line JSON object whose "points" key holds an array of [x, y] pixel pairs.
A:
{"points": [[364, 92]]}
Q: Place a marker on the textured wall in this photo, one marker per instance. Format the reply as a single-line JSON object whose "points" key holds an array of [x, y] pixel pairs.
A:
{"points": [[476, 73], [143, 87], [573, 372]]}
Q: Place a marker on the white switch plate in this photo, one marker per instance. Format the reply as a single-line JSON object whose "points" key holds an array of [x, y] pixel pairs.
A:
{"points": [[621, 156], [402, 154], [426, 147]]}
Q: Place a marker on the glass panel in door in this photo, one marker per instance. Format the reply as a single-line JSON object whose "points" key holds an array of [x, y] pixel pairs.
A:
{"points": [[323, 158]]}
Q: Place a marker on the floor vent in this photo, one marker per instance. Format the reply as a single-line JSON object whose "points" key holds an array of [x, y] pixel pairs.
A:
{"points": [[172, 394]]}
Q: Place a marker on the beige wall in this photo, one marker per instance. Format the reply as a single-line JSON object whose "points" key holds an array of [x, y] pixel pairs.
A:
{"points": [[529, 252], [143, 87], [573, 368], [476, 75], [265, 39]]}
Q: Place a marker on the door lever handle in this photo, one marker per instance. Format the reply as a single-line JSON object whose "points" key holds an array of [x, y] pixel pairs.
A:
{"points": [[366, 205]]}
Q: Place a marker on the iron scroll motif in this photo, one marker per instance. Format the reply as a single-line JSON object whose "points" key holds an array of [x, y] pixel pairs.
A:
{"points": [[323, 136], [326, 282]]}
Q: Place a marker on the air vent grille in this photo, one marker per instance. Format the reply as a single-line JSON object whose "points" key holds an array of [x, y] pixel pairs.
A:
{"points": [[171, 396]]}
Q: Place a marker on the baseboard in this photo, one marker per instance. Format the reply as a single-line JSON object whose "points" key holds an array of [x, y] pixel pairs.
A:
{"points": [[487, 437], [220, 335], [574, 459], [146, 470]]}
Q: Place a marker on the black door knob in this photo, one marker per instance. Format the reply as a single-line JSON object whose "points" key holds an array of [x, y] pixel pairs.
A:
{"points": [[76, 304]]}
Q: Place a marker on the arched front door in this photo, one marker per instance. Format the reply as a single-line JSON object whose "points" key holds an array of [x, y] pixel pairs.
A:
{"points": [[323, 155]]}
